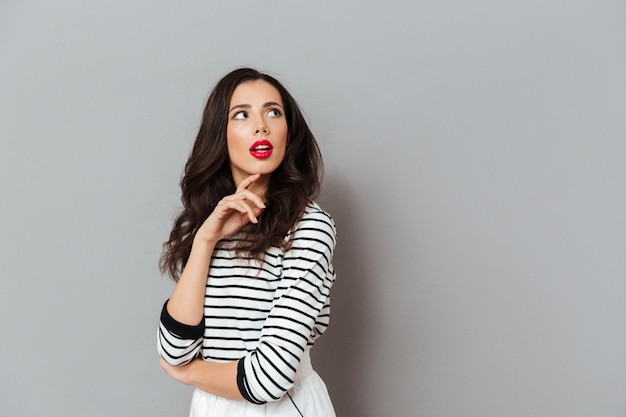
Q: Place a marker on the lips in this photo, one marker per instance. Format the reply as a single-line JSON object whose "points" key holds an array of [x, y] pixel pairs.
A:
{"points": [[261, 149]]}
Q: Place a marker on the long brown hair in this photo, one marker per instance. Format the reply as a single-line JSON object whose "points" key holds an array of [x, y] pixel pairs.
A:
{"points": [[208, 178]]}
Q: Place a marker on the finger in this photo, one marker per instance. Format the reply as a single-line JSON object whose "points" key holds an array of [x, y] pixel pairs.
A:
{"points": [[245, 195], [247, 210], [249, 195], [248, 181], [240, 205], [228, 205]]}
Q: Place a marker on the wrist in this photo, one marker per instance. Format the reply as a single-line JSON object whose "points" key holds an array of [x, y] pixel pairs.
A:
{"points": [[203, 245]]}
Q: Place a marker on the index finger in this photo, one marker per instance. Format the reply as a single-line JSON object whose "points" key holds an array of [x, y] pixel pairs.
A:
{"points": [[246, 183]]}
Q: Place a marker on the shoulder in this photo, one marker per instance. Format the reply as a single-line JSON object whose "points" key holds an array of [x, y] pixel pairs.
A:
{"points": [[314, 215], [315, 223]]}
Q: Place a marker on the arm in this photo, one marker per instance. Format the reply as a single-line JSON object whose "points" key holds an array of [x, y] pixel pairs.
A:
{"points": [[299, 315], [216, 378], [182, 327], [187, 302], [181, 363], [178, 343]]}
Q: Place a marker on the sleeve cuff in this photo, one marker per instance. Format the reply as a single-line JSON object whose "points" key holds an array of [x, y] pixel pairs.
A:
{"points": [[242, 385], [181, 330]]}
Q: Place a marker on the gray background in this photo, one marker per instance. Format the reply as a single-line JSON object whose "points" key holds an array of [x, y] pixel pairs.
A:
{"points": [[475, 166]]}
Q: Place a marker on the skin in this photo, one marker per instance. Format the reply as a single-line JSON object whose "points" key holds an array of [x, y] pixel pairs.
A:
{"points": [[256, 112]]}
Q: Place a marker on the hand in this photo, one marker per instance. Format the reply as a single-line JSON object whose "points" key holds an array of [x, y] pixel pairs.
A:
{"points": [[232, 213]]}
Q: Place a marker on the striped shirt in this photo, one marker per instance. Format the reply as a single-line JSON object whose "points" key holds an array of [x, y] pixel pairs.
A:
{"points": [[264, 315]]}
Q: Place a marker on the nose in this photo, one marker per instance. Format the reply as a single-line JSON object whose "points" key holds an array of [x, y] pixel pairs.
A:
{"points": [[261, 127]]}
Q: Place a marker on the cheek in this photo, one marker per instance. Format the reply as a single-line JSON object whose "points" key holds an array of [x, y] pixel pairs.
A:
{"points": [[281, 146], [235, 148], [232, 133], [283, 134], [234, 137]]}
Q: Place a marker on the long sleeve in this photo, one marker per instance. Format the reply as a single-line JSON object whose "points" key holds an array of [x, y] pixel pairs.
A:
{"points": [[300, 312], [178, 343]]}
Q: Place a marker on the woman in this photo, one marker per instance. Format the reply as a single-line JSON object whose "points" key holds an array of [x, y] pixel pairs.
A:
{"points": [[251, 254]]}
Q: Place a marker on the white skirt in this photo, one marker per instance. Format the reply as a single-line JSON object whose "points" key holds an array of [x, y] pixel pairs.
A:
{"points": [[309, 398]]}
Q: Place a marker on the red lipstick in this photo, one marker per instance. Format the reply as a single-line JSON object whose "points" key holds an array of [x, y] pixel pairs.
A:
{"points": [[261, 149]]}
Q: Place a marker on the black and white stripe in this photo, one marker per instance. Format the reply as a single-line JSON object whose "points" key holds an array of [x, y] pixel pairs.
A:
{"points": [[265, 314]]}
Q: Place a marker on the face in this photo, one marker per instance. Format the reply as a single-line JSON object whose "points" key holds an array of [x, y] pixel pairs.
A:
{"points": [[256, 133]]}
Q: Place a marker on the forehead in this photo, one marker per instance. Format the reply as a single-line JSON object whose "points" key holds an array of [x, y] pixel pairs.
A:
{"points": [[255, 92]]}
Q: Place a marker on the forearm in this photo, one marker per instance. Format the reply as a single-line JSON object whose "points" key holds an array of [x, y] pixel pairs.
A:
{"points": [[186, 304], [216, 378]]}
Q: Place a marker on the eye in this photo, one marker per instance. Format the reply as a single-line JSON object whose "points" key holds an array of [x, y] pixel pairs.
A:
{"points": [[274, 112], [240, 115]]}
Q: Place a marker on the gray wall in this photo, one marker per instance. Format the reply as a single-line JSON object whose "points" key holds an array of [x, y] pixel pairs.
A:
{"points": [[475, 165]]}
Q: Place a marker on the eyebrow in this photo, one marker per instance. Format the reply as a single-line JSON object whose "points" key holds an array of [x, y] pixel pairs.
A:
{"points": [[248, 106]]}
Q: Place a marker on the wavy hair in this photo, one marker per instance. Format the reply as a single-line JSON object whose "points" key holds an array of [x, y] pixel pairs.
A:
{"points": [[207, 178]]}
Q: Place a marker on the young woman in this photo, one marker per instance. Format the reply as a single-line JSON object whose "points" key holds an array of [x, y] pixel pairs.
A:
{"points": [[251, 254]]}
